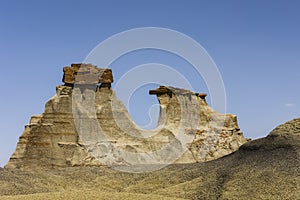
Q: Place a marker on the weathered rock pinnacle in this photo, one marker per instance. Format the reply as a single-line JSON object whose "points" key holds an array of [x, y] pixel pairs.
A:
{"points": [[87, 125]]}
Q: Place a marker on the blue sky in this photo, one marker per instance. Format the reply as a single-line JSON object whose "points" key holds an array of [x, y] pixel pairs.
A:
{"points": [[255, 45]]}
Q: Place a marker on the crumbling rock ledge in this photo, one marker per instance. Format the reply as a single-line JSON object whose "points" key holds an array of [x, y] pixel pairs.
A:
{"points": [[83, 74], [66, 135], [175, 91]]}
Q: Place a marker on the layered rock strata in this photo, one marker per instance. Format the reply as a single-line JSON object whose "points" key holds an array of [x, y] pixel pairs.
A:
{"points": [[86, 74], [86, 124]]}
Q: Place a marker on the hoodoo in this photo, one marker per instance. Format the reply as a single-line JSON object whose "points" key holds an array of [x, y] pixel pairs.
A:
{"points": [[85, 124]]}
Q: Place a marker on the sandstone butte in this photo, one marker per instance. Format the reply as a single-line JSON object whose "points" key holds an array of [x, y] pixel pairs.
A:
{"points": [[85, 124]]}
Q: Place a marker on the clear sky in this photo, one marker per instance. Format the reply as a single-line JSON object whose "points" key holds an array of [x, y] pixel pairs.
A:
{"points": [[255, 45]]}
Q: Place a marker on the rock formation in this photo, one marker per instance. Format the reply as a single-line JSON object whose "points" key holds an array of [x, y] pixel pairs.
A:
{"points": [[85, 124], [85, 74]]}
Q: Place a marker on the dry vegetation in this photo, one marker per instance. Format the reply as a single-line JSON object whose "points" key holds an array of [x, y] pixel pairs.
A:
{"points": [[267, 168]]}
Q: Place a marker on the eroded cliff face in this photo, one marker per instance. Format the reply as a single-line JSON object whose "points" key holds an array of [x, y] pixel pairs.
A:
{"points": [[85, 124]]}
